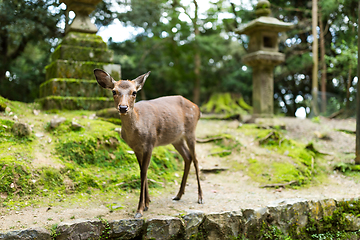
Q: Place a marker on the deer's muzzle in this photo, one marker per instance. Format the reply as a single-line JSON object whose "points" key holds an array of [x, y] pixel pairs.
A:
{"points": [[123, 108]]}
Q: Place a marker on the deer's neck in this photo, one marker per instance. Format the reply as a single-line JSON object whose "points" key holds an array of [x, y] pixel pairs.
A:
{"points": [[129, 121]]}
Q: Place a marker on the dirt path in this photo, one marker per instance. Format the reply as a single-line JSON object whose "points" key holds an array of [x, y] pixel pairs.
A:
{"points": [[225, 191]]}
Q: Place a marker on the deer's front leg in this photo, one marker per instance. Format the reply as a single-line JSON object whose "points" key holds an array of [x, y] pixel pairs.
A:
{"points": [[144, 193]]}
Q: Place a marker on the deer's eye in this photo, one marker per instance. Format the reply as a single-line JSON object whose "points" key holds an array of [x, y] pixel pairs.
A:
{"points": [[114, 92], [134, 93]]}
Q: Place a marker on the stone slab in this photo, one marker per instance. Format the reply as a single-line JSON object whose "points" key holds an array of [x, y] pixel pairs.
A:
{"points": [[78, 53], [75, 103], [70, 87], [80, 69]]}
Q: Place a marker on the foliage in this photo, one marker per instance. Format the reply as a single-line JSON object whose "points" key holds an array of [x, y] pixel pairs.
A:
{"points": [[26, 30]]}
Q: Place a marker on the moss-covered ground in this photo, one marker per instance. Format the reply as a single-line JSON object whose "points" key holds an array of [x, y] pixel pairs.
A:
{"points": [[65, 166], [54, 163]]}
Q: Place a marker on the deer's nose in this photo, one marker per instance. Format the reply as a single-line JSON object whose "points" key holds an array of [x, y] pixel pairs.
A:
{"points": [[123, 108]]}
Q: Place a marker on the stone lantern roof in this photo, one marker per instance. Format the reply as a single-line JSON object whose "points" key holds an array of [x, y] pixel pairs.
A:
{"points": [[264, 22]]}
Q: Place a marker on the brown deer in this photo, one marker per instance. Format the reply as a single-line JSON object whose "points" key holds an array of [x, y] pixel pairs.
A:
{"points": [[157, 122]]}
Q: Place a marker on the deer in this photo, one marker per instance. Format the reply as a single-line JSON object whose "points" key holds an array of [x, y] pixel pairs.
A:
{"points": [[151, 123]]}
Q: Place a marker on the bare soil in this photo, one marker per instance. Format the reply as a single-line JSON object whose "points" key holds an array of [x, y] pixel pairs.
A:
{"points": [[225, 191]]}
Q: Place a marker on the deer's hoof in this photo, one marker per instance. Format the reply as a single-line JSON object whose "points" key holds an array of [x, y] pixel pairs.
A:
{"points": [[146, 208], [201, 201], [176, 198], [138, 215]]}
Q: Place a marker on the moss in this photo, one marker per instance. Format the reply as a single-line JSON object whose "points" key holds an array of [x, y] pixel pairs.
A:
{"points": [[84, 39], [3, 104], [225, 103], [75, 103], [294, 162], [16, 177], [76, 69], [80, 53]]}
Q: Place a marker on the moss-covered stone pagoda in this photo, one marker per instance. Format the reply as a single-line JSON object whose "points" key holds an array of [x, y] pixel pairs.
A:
{"points": [[70, 82]]}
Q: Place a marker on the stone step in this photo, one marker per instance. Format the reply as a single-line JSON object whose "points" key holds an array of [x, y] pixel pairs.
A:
{"points": [[71, 87], [76, 53], [75, 103], [84, 40], [79, 69]]}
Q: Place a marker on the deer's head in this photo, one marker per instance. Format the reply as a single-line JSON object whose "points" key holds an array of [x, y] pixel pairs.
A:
{"points": [[124, 91]]}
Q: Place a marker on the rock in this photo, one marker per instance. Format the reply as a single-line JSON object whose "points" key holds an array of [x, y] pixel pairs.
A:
{"points": [[2, 106], [36, 112], [39, 135], [164, 228], [353, 222], [76, 126], [112, 142], [192, 222], [80, 230], [21, 129], [56, 121], [289, 213], [108, 113], [224, 225], [126, 228], [253, 219], [118, 130], [27, 234]]}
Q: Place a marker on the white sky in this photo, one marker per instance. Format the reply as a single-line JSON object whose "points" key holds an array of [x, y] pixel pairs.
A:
{"points": [[119, 32]]}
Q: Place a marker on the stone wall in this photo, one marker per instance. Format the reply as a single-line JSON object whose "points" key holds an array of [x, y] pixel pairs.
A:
{"points": [[298, 218]]}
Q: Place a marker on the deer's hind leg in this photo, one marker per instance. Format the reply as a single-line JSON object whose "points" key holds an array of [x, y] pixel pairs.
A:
{"points": [[190, 140], [184, 152]]}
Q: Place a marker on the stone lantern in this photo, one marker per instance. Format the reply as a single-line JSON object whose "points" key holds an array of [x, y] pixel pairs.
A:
{"points": [[263, 56], [70, 81]]}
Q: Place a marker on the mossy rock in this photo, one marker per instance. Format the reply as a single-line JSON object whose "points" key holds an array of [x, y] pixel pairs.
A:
{"points": [[226, 103], [75, 103], [77, 53], [84, 40], [79, 69], [71, 87], [108, 113], [3, 104]]}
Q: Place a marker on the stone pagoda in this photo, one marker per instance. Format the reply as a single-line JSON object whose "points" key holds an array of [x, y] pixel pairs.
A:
{"points": [[70, 82], [263, 55]]}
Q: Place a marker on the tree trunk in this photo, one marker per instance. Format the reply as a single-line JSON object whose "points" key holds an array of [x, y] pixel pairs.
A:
{"points": [[349, 83], [197, 59], [314, 90], [357, 147], [323, 64]]}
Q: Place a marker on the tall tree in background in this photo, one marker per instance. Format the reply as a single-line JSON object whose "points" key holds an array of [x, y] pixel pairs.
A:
{"points": [[323, 30], [315, 50]]}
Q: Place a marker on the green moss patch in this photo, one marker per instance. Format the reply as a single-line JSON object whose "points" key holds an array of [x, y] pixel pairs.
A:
{"points": [[283, 161], [3, 104], [227, 104]]}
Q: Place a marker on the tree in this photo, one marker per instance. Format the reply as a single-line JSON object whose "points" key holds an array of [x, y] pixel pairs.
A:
{"points": [[24, 23], [314, 90]]}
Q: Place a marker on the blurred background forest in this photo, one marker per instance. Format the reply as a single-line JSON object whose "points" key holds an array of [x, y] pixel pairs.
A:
{"points": [[188, 49]]}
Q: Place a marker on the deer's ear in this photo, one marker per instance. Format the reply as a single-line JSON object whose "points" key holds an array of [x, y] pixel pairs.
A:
{"points": [[104, 79], [140, 80]]}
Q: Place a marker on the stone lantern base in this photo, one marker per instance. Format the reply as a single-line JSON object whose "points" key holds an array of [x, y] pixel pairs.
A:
{"points": [[263, 63], [70, 82]]}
